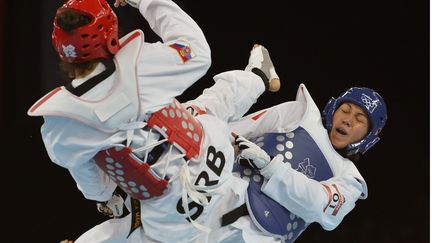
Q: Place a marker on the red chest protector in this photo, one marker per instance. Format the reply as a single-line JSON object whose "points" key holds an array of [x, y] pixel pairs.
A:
{"points": [[135, 176]]}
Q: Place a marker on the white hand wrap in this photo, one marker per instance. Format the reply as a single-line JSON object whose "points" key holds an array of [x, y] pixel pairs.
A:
{"points": [[113, 207], [256, 157]]}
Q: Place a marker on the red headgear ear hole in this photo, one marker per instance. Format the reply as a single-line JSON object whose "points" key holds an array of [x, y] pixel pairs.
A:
{"points": [[113, 46]]}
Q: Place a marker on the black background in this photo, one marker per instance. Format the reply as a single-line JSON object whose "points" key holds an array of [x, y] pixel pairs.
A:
{"points": [[329, 46]]}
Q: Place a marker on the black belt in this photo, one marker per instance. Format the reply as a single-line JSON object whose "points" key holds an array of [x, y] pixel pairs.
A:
{"points": [[136, 215], [234, 214], [135, 210]]}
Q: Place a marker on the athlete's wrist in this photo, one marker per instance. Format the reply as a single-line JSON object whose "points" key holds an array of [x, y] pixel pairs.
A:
{"points": [[272, 167]]}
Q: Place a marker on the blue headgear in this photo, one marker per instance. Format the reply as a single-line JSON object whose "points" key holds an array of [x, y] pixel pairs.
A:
{"points": [[372, 103]]}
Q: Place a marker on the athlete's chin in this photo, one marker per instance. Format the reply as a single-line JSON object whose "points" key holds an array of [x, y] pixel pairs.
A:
{"points": [[338, 142], [338, 146]]}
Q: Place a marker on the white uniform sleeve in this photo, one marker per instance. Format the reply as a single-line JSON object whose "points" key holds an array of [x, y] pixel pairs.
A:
{"points": [[75, 153], [325, 202], [232, 95], [165, 70], [178, 62], [171, 23]]}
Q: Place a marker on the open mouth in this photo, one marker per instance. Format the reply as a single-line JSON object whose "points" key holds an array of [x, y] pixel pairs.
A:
{"points": [[341, 131]]}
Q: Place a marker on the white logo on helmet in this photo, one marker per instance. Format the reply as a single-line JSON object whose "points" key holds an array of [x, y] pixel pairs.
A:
{"points": [[69, 51], [369, 103]]}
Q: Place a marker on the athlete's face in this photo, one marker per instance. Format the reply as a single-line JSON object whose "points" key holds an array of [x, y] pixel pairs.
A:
{"points": [[350, 124]]}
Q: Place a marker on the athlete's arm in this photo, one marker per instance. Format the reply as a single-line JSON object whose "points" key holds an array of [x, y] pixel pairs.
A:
{"points": [[325, 202], [182, 38]]}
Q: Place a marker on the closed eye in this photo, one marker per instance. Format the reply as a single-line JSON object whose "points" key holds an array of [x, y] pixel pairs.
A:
{"points": [[361, 118], [345, 108]]}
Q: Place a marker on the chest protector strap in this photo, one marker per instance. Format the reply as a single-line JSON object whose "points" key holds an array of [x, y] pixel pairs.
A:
{"points": [[135, 176], [180, 127]]}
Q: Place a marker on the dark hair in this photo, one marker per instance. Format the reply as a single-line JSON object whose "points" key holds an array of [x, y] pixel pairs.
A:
{"points": [[69, 20], [70, 69]]}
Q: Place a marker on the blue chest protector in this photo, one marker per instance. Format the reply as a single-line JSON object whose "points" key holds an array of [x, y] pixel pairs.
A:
{"points": [[299, 149]]}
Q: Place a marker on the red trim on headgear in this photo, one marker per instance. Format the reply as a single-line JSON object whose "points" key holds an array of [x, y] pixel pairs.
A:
{"points": [[97, 39]]}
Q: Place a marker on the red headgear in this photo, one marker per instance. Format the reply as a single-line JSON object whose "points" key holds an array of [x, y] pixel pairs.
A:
{"points": [[97, 39]]}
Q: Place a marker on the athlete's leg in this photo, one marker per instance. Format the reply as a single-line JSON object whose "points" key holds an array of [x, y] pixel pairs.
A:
{"points": [[236, 91]]}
